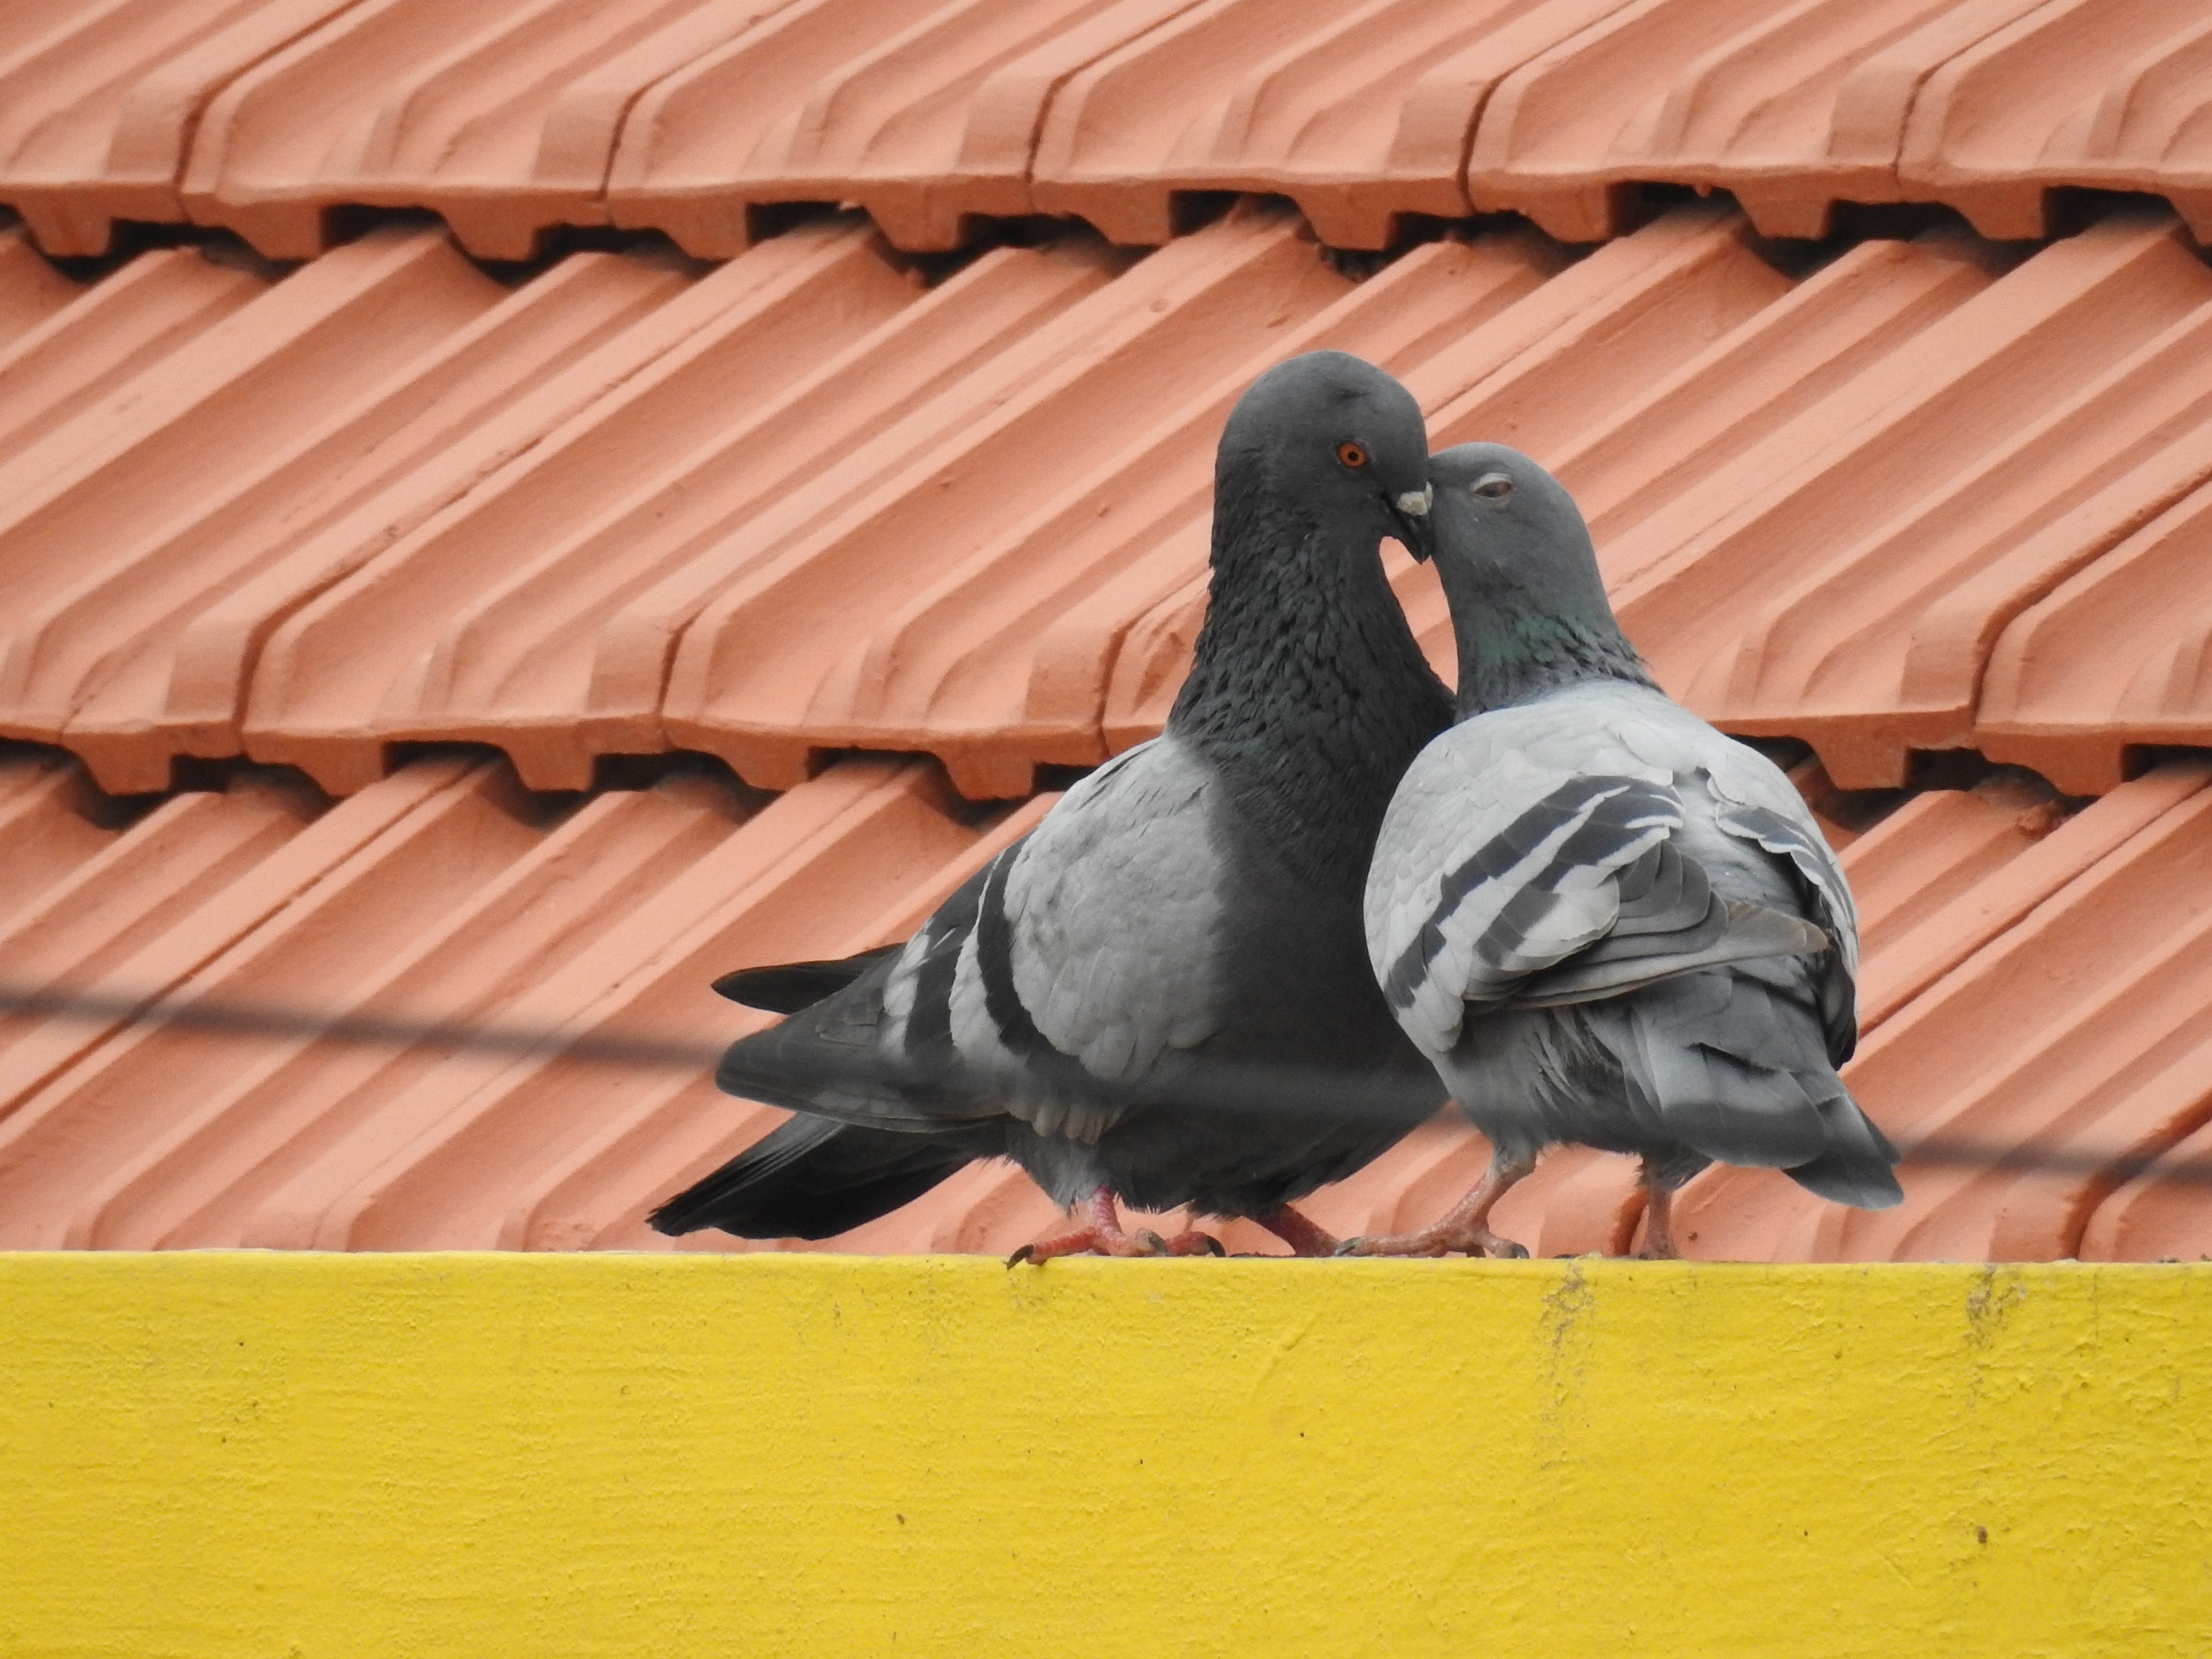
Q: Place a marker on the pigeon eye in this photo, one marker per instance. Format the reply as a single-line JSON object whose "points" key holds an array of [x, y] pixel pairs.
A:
{"points": [[1352, 454], [1495, 488]]}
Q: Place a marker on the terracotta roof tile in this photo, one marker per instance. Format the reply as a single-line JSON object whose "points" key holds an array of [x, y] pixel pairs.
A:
{"points": [[500, 114], [99, 100], [443, 891], [513, 116], [921, 110], [31, 290], [1919, 495], [810, 502], [1360, 115], [1854, 566], [202, 433], [2061, 693], [818, 379], [1791, 108], [2109, 93], [1060, 530], [2075, 1029]]}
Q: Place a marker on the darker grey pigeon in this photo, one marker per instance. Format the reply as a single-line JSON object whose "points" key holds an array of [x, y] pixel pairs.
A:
{"points": [[1160, 995], [1605, 922]]}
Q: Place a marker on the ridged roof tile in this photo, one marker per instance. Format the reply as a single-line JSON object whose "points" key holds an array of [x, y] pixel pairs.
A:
{"points": [[511, 116], [445, 892], [2113, 94], [810, 502], [99, 99], [499, 115], [441, 891], [1793, 107]]}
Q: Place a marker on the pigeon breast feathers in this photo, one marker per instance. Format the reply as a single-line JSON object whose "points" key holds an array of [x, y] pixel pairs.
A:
{"points": [[1111, 913], [1090, 964]]}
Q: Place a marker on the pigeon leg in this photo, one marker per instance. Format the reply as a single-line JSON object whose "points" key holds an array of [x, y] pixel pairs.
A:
{"points": [[1467, 1227], [1100, 1234], [1296, 1230], [1659, 1223]]}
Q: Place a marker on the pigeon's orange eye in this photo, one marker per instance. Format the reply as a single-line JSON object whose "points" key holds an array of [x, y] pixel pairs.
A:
{"points": [[1352, 454]]}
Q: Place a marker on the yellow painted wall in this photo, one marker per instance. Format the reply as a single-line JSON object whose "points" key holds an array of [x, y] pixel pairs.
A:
{"points": [[495, 1456]]}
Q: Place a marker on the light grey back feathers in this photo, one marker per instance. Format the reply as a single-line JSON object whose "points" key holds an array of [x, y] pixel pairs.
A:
{"points": [[1593, 841]]}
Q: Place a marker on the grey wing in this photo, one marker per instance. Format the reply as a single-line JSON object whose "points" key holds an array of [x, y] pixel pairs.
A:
{"points": [[1757, 804], [1089, 969], [1531, 858]]}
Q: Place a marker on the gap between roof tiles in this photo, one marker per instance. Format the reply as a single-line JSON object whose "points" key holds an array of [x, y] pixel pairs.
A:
{"points": [[672, 768], [2072, 210]]}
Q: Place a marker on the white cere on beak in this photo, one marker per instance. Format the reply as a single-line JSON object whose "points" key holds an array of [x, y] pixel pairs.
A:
{"points": [[1416, 503]]}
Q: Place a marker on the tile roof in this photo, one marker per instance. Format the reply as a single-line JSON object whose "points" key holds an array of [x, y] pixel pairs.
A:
{"points": [[445, 891], [808, 502], [442, 890], [689, 115], [644, 549]]}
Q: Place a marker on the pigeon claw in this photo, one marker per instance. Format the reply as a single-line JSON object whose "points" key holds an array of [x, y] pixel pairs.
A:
{"points": [[1437, 1241], [1089, 1241], [1100, 1234]]}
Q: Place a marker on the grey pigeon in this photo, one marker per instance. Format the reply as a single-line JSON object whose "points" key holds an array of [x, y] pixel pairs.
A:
{"points": [[1605, 922], [1160, 995]]}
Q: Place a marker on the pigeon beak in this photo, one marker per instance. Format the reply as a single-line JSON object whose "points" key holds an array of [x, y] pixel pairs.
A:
{"points": [[1413, 518]]}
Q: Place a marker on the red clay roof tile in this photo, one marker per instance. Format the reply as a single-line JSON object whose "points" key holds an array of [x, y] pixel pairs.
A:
{"points": [[99, 98], [31, 290], [1060, 531], [2075, 1030], [513, 116], [2119, 654], [1926, 495], [1792, 107], [499, 114], [200, 467], [809, 503], [2114, 94], [443, 891], [1360, 115], [923, 112]]}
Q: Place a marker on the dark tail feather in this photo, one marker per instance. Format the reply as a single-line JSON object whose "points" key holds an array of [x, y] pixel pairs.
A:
{"points": [[788, 987], [1857, 1168], [814, 1177]]}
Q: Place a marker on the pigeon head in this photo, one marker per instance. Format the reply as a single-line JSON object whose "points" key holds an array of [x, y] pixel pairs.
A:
{"points": [[1515, 558], [1337, 440], [1308, 694]]}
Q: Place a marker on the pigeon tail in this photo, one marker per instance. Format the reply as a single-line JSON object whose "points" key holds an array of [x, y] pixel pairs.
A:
{"points": [[1858, 1167], [814, 1177]]}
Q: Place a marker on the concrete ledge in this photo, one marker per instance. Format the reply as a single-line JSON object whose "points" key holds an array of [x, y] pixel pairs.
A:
{"points": [[222, 1454]]}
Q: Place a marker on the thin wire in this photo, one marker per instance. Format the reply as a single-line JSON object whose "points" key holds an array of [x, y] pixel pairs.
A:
{"points": [[655, 1053], [271, 1019]]}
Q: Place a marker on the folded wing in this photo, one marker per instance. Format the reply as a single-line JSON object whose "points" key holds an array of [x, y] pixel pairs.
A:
{"points": [[1532, 861]]}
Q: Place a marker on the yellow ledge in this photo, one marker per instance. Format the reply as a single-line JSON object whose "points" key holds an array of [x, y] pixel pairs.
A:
{"points": [[495, 1457]]}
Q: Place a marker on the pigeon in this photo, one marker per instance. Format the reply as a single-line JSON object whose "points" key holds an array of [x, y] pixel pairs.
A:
{"points": [[1603, 921], [1160, 995]]}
